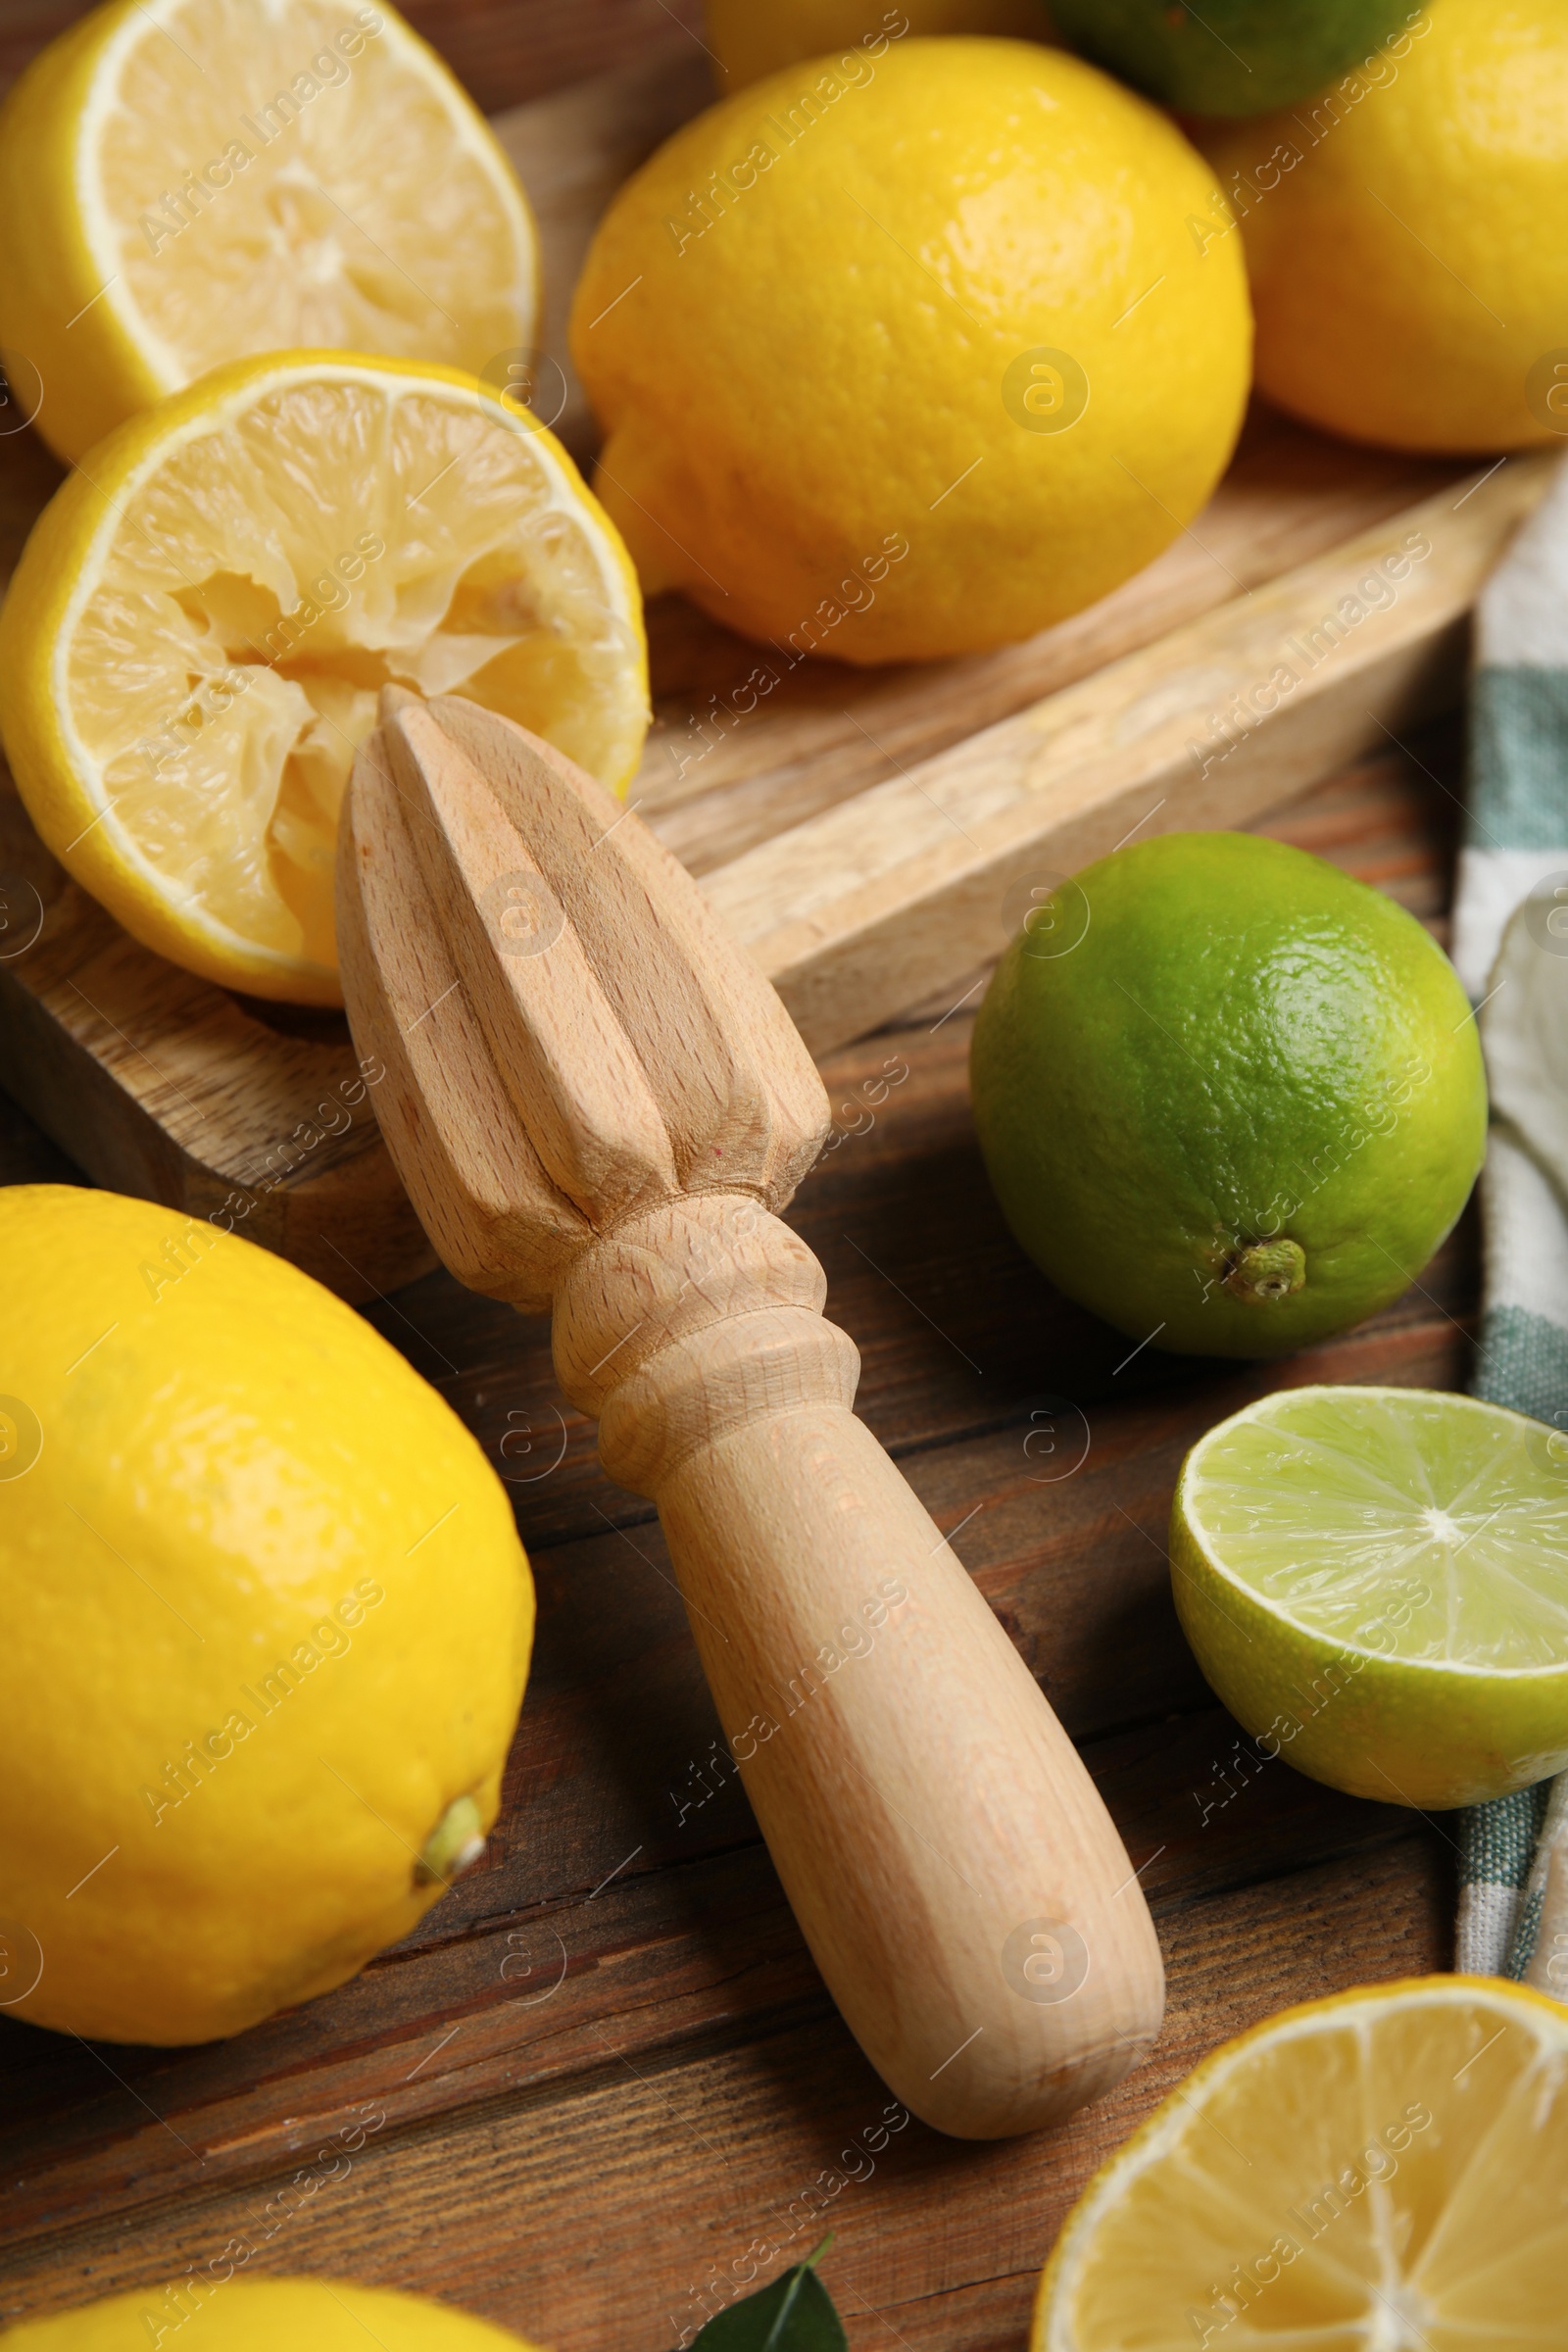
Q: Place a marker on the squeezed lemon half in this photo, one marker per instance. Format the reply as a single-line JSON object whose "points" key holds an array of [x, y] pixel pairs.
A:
{"points": [[196, 637]]}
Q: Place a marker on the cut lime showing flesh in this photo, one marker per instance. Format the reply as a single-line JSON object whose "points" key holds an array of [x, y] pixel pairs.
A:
{"points": [[1375, 1582]]}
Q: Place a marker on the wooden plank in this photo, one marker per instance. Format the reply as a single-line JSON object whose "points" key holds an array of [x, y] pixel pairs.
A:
{"points": [[686, 1986], [504, 52], [523, 1998], [640, 2182], [718, 775], [619, 1772], [907, 887], [508, 52]]}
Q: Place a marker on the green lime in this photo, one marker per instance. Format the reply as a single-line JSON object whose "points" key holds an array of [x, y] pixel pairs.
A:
{"points": [[1375, 1582], [1228, 1098], [1232, 57]]}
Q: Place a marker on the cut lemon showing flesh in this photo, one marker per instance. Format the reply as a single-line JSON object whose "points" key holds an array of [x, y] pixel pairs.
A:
{"points": [[188, 181], [1383, 2172], [194, 642], [1375, 1582]]}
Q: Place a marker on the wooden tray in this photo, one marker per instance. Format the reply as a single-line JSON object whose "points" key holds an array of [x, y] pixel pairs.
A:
{"points": [[862, 832]]}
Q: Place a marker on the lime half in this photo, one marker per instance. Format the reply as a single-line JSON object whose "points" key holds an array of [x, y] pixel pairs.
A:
{"points": [[1375, 1582]]}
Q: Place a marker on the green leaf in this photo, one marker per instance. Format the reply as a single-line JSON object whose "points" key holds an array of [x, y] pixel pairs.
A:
{"points": [[794, 2314]]}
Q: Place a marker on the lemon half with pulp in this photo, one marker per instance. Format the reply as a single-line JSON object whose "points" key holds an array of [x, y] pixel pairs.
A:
{"points": [[195, 639], [1386, 2170], [188, 181]]}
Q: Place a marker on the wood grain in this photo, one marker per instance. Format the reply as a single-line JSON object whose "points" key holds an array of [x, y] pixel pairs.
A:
{"points": [[904, 887], [504, 52], [631, 2193], [684, 1968], [963, 1891]]}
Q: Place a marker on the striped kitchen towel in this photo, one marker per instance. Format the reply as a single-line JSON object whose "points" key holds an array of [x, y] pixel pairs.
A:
{"points": [[1510, 944]]}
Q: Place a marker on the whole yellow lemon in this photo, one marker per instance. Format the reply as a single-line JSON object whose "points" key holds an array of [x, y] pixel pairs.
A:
{"points": [[1407, 234], [912, 350], [259, 2314], [264, 1624], [753, 38]]}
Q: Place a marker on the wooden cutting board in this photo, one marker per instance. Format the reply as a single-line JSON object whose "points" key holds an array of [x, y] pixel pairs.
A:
{"points": [[865, 833]]}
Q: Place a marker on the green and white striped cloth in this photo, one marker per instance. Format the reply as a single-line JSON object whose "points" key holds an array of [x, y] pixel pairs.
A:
{"points": [[1510, 944]]}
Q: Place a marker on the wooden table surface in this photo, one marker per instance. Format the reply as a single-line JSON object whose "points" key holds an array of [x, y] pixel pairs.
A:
{"points": [[605, 2066], [603, 2075], [504, 52]]}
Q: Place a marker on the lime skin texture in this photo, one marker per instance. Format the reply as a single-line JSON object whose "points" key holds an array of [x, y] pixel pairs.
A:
{"points": [[1228, 1098], [1231, 57]]}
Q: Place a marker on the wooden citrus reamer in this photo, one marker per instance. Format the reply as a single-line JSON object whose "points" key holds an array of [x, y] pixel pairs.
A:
{"points": [[597, 1104]]}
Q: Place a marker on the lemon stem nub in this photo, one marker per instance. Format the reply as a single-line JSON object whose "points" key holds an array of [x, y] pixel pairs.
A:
{"points": [[1266, 1271], [453, 1847]]}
